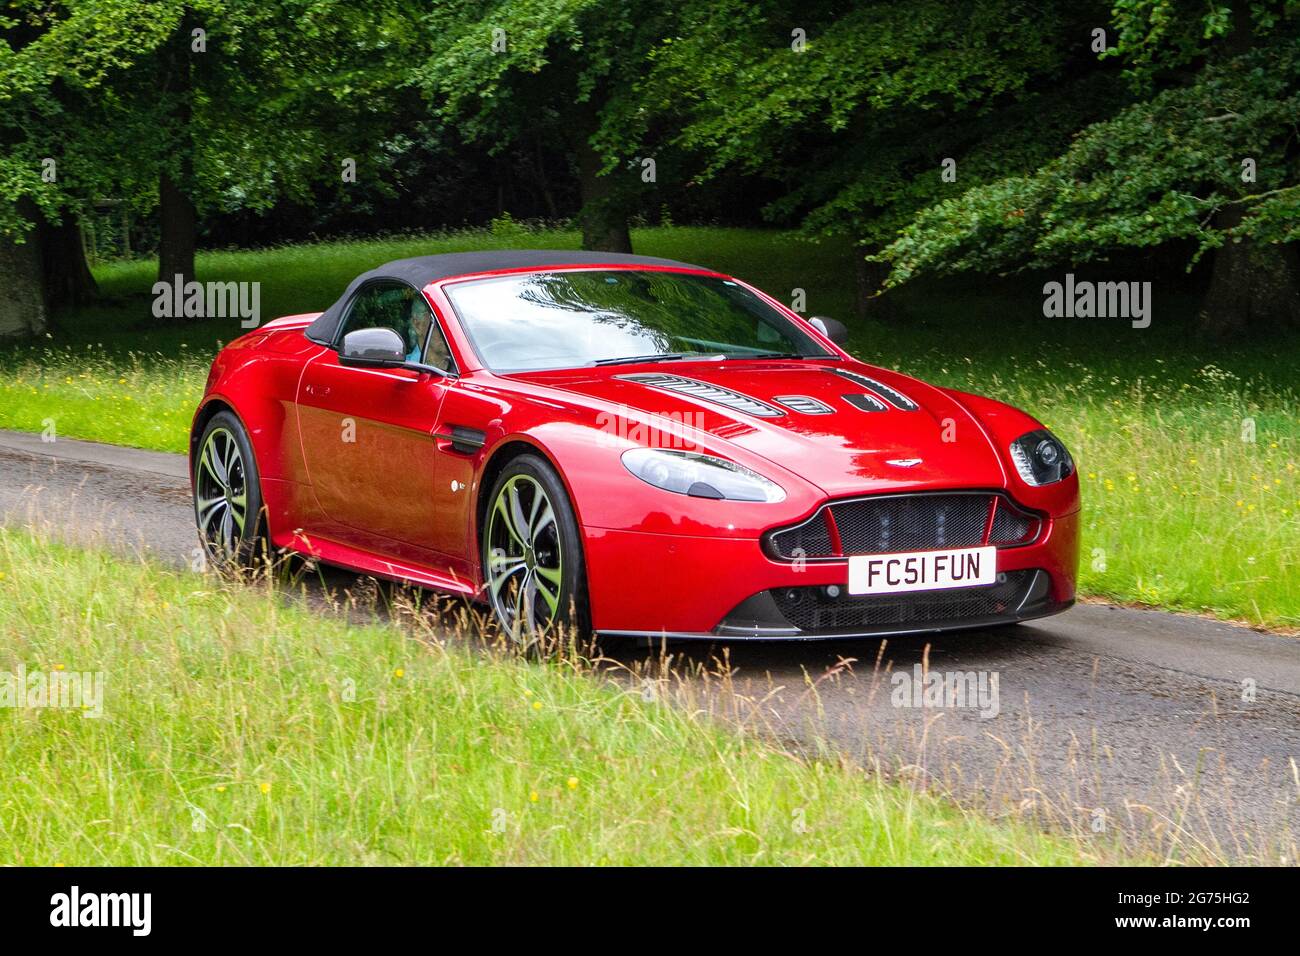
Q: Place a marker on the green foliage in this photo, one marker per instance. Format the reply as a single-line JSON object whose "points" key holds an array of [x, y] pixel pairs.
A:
{"points": [[116, 91], [55, 60], [1160, 35], [1060, 153], [1159, 170], [513, 67], [569, 74], [856, 125]]}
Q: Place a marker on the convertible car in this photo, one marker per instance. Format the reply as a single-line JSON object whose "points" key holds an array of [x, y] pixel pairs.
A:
{"points": [[628, 446]]}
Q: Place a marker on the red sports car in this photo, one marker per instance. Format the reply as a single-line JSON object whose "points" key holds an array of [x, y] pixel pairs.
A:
{"points": [[630, 446]]}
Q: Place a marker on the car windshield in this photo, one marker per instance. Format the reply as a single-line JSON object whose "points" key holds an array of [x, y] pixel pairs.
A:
{"points": [[544, 320]]}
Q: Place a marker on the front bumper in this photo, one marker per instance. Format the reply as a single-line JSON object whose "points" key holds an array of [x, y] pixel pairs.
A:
{"points": [[680, 586]]}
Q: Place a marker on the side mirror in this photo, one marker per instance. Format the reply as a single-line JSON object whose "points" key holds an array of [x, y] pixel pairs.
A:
{"points": [[836, 331], [373, 348]]}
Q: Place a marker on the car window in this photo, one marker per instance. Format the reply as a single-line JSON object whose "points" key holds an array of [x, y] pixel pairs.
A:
{"points": [[396, 306], [436, 352], [574, 318]]}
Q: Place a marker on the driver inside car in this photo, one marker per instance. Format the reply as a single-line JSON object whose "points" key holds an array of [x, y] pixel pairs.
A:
{"points": [[417, 329]]}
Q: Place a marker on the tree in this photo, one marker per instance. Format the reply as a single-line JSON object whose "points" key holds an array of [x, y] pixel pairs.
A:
{"points": [[53, 59], [1206, 154], [859, 112], [183, 107], [248, 101], [22, 296], [567, 70]]}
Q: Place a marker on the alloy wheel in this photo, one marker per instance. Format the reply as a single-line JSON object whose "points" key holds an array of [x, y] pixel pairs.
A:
{"points": [[525, 560], [221, 502]]}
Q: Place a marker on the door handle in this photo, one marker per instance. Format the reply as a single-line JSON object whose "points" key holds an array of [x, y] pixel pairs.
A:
{"points": [[319, 391]]}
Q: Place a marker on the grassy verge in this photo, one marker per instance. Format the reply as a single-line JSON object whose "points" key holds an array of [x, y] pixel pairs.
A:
{"points": [[238, 730], [1190, 458]]}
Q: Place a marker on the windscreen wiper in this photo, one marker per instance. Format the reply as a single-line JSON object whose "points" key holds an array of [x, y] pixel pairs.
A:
{"points": [[782, 355], [659, 357]]}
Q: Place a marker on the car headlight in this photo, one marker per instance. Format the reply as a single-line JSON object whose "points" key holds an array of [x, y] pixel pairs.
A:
{"points": [[700, 476], [1040, 458]]}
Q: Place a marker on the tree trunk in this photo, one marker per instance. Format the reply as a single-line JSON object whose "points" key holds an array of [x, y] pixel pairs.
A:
{"points": [[868, 278], [22, 287], [178, 225], [68, 280], [603, 217], [500, 177], [1253, 286], [177, 218], [543, 183]]}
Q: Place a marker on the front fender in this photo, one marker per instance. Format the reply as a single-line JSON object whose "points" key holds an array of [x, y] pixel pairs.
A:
{"points": [[1005, 423]]}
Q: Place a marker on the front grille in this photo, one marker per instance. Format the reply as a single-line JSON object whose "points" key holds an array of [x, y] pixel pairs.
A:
{"points": [[706, 391], [912, 523], [888, 524], [810, 609]]}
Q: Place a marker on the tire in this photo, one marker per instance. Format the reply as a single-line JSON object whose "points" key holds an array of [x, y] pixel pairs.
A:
{"points": [[535, 580], [228, 495]]}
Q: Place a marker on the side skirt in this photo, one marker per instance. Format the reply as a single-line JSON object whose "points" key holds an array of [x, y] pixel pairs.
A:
{"points": [[366, 562]]}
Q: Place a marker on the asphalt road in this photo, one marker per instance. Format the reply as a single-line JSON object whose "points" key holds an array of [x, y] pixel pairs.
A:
{"points": [[1172, 731]]}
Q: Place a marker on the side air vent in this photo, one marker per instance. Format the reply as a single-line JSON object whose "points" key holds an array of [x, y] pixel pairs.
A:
{"points": [[703, 390], [804, 404], [868, 403], [462, 439], [891, 395]]}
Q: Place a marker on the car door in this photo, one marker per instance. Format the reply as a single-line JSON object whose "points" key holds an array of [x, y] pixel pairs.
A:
{"points": [[464, 420], [368, 433]]}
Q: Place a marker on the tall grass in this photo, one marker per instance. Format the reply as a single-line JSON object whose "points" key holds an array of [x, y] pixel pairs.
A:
{"points": [[237, 729], [143, 399]]}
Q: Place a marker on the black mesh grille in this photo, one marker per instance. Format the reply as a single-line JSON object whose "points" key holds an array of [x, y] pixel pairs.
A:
{"points": [[894, 523], [1010, 525], [810, 609], [911, 523], [808, 540]]}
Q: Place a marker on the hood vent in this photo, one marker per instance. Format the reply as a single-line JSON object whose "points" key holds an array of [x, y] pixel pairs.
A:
{"points": [[705, 391], [891, 395], [805, 404], [868, 403]]}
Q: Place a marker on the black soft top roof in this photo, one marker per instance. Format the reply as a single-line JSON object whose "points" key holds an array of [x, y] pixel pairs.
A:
{"points": [[422, 270]]}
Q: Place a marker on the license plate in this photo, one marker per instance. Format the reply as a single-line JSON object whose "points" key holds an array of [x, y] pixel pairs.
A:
{"points": [[922, 570]]}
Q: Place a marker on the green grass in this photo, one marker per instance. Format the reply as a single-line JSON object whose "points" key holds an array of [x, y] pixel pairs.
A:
{"points": [[135, 398], [1180, 511], [238, 729]]}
